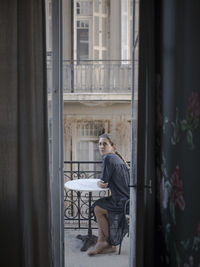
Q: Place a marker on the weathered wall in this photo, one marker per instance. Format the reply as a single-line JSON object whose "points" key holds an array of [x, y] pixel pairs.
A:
{"points": [[115, 115]]}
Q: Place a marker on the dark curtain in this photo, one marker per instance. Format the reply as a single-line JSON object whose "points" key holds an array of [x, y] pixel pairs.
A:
{"points": [[178, 133], [24, 185], [145, 162]]}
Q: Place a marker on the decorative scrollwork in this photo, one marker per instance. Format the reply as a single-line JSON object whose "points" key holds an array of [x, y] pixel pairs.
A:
{"points": [[70, 213], [76, 204]]}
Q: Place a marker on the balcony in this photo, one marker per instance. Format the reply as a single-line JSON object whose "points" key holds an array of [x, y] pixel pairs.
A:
{"points": [[76, 258], [102, 76], [95, 78], [76, 206]]}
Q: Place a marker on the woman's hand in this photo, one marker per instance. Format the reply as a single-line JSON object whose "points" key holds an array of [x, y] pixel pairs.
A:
{"points": [[102, 184]]}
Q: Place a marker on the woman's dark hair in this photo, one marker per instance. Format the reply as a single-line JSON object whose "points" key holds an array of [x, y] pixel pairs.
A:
{"points": [[105, 135]]}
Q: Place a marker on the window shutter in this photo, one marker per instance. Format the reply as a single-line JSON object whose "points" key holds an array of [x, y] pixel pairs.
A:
{"points": [[124, 29], [100, 32]]}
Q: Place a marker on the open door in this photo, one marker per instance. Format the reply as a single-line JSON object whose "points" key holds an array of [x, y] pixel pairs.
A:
{"points": [[142, 168], [145, 161], [55, 118]]}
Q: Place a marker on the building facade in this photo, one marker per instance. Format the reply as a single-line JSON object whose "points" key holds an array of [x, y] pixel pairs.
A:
{"points": [[97, 75]]}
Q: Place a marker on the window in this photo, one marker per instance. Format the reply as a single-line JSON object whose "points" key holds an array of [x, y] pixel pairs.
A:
{"points": [[101, 29], [84, 8], [82, 39], [87, 143], [90, 129], [124, 30]]}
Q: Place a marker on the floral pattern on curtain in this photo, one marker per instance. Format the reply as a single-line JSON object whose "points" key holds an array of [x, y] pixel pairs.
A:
{"points": [[178, 134], [178, 148]]}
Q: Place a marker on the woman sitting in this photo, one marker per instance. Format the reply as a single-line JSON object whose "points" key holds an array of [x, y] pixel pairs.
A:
{"points": [[109, 211]]}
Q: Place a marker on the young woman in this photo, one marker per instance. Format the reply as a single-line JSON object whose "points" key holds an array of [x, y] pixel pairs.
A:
{"points": [[109, 211]]}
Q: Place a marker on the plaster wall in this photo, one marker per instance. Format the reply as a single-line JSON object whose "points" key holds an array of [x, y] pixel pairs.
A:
{"points": [[115, 116]]}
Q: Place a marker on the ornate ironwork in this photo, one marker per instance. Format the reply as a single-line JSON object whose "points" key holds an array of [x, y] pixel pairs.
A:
{"points": [[94, 76], [76, 204]]}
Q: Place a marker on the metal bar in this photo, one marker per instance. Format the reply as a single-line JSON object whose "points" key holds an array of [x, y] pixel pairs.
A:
{"points": [[72, 78], [72, 206], [79, 197], [92, 162], [89, 215], [133, 170], [98, 60], [77, 228], [79, 210], [78, 170]]}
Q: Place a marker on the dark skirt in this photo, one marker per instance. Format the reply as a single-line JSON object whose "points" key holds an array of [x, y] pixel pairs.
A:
{"points": [[118, 226]]}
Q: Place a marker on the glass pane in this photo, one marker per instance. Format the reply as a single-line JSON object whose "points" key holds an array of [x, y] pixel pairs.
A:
{"points": [[104, 32], [104, 55], [96, 54], [84, 7], [104, 6], [82, 44], [96, 6], [49, 75], [96, 30], [78, 8]]}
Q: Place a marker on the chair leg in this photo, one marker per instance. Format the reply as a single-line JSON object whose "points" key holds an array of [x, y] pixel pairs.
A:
{"points": [[120, 248]]}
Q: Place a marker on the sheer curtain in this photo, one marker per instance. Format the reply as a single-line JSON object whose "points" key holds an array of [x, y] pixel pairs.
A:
{"points": [[24, 184]]}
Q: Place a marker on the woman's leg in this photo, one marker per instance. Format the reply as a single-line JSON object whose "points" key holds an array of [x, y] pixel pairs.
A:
{"points": [[103, 232], [102, 221]]}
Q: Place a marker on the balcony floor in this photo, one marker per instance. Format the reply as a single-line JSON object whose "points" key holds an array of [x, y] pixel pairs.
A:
{"points": [[76, 258]]}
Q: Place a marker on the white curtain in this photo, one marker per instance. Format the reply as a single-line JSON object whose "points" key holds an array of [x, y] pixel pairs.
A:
{"points": [[24, 185]]}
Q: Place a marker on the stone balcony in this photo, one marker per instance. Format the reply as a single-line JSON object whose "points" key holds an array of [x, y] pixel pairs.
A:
{"points": [[76, 258], [94, 80], [76, 207]]}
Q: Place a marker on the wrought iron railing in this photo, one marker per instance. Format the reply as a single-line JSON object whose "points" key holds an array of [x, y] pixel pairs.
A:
{"points": [[76, 204], [94, 76]]}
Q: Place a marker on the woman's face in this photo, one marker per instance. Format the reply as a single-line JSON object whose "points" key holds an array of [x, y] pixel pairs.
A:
{"points": [[105, 147]]}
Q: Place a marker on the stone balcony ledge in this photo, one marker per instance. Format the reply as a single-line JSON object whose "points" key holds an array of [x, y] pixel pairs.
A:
{"points": [[121, 97]]}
